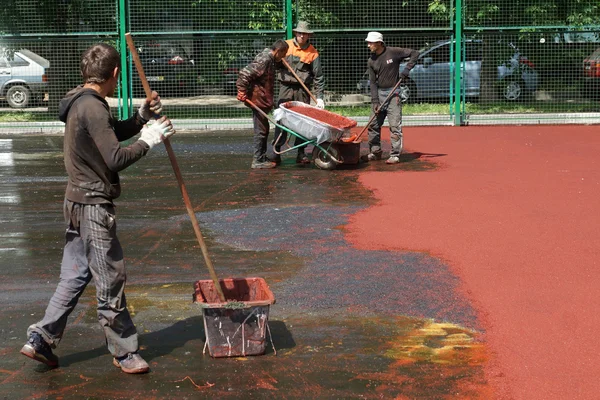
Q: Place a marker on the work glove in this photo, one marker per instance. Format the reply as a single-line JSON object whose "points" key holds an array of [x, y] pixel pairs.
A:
{"points": [[320, 104], [155, 132], [241, 96], [151, 108], [375, 107]]}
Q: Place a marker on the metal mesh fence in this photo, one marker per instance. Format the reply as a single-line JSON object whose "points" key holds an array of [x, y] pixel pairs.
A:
{"points": [[58, 17], [196, 75], [180, 16], [351, 15], [530, 76], [529, 61]]}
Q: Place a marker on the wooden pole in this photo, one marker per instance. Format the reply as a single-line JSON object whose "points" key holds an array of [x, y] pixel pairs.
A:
{"points": [[175, 165], [288, 66]]}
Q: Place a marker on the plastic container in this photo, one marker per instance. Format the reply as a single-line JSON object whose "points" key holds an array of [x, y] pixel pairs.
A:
{"points": [[237, 328]]}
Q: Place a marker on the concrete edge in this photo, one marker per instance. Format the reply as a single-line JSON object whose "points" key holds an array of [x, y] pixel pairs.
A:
{"points": [[193, 125]]}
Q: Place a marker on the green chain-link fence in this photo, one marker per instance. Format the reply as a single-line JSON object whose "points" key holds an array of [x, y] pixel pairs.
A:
{"points": [[526, 62]]}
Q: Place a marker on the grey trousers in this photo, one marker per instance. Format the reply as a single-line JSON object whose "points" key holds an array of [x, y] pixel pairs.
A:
{"points": [[393, 111], [91, 250]]}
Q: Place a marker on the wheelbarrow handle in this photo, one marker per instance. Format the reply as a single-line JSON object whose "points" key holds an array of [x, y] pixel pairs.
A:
{"points": [[261, 112]]}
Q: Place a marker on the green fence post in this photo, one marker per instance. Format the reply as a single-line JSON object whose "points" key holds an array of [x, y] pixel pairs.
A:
{"points": [[124, 109], [457, 63], [289, 21]]}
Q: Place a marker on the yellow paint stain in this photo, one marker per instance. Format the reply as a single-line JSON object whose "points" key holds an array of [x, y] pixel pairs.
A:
{"points": [[438, 343]]}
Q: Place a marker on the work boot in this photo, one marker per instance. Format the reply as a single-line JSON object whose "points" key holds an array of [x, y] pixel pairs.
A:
{"points": [[37, 349], [393, 160], [302, 158], [266, 164], [276, 158], [132, 363]]}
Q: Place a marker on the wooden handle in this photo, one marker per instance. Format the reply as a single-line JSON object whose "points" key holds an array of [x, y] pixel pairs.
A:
{"points": [[374, 115], [298, 79], [175, 165], [264, 114]]}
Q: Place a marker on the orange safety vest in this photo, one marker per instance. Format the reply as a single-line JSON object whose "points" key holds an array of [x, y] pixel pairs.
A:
{"points": [[306, 56]]}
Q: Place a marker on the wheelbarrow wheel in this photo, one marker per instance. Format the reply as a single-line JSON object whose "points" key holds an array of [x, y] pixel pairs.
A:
{"points": [[322, 159]]}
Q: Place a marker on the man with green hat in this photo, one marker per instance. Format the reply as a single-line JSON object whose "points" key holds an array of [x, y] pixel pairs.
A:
{"points": [[304, 60]]}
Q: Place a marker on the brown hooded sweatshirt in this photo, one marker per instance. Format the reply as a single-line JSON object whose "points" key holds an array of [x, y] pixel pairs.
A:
{"points": [[92, 152]]}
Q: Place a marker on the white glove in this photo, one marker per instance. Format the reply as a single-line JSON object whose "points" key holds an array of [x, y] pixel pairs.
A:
{"points": [[154, 132], [151, 109], [320, 104]]}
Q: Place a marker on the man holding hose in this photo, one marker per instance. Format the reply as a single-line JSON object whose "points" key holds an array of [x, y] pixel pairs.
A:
{"points": [[384, 72], [304, 60]]}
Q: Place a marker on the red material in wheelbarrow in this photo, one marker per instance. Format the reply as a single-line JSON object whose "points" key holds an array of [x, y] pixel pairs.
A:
{"points": [[326, 117]]}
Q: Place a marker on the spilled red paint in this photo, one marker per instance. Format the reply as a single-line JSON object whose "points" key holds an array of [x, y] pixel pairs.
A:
{"points": [[333, 119], [514, 211]]}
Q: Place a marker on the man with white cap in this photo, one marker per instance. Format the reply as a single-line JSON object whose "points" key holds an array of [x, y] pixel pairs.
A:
{"points": [[304, 59], [384, 72]]}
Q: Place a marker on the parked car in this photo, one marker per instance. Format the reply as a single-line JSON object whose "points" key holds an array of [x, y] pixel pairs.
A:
{"points": [[591, 74], [169, 70], [23, 77], [431, 76]]}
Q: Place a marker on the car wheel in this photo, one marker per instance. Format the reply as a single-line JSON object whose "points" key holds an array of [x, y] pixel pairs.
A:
{"points": [[18, 96], [512, 90], [322, 160], [408, 91]]}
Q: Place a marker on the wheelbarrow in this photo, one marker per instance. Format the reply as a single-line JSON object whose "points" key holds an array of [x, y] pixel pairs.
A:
{"points": [[320, 128]]}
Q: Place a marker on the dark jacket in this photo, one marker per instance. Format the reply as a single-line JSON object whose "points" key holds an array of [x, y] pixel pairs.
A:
{"points": [[384, 68], [257, 80], [92, 153], [306, 63]]}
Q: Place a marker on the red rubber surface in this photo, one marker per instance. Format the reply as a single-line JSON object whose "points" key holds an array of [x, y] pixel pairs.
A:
{"points": [[515, 212]]}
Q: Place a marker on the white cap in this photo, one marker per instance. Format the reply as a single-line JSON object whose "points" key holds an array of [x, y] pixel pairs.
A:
{"points": [[374, 37]]}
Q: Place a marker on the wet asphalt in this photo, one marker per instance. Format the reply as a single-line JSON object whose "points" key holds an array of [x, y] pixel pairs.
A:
{"points": [[346, 323]]}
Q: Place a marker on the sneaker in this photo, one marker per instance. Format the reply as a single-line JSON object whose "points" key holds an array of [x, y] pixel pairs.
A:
{"points": [[393, 160], [302, 159], [36, 348], [373, 156], [132, 363], [262, 164]]}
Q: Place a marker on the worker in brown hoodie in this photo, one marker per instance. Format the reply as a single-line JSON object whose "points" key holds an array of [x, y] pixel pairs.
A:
{"points": [[256, 82], [93, 158]]}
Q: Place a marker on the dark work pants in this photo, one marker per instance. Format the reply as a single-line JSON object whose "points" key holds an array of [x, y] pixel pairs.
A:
{"points": [[393, 111], [91, 250], [261, 133], [290, 93]]}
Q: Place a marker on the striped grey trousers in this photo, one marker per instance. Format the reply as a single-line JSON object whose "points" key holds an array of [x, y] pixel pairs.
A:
{"points": [[92, 249]]}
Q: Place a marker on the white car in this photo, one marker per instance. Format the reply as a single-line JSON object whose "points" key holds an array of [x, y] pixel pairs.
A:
{"points": [[23, 77]]}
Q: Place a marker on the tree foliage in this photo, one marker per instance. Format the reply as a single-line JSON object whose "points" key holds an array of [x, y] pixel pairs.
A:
{"points": [[65, 16]]}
